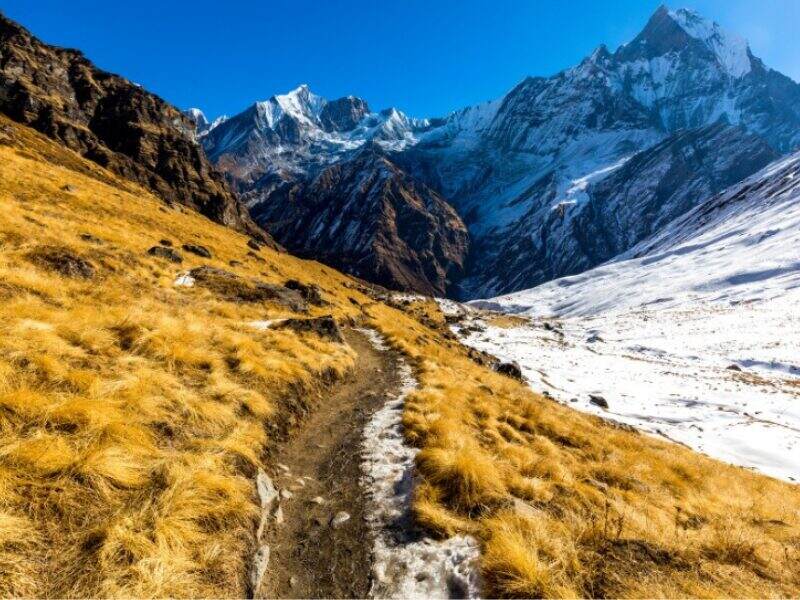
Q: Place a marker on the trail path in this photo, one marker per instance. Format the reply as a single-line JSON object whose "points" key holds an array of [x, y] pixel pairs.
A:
{"points": [[309, 556]]}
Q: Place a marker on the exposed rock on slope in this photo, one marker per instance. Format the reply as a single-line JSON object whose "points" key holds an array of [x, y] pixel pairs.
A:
{"points": [[369, 218], [603, 219], [112, 122]]}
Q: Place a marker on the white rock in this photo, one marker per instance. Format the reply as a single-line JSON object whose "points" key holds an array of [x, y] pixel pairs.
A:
{"points": [[258, 568], [340, 519], [286, 494]]}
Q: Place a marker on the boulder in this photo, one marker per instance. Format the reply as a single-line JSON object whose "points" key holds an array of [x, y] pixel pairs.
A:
{"points": [[310, 292], [197, 250], [239, 289], [63, 261], [598, 400], [509, 369], [325, 327], [166, 253]]}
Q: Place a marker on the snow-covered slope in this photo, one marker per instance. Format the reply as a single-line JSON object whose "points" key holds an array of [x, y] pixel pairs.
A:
{"points": [[742, 245], [694, 334]]}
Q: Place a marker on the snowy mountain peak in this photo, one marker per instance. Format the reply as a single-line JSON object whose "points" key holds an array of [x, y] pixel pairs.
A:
{"points": [[731, 50], [198, 117], [672, 32]]}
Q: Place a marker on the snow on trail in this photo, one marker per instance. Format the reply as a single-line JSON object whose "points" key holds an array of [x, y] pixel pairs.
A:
{"points": [[407, 564]]}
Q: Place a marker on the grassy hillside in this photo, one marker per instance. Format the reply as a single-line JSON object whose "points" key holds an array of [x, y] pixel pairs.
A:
{"points": [[134, 414]]}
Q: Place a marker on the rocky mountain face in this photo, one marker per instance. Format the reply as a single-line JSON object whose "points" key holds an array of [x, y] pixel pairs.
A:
{"points": [[561, 173], [622, 207], [112, 122], [366, 216]]}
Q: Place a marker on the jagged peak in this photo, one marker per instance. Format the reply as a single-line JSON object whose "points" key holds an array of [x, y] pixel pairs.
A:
{"points": [[670, 31]]}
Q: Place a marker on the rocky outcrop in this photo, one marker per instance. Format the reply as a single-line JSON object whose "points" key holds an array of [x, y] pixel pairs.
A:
{"points": [[367, 217], [113, 122]]}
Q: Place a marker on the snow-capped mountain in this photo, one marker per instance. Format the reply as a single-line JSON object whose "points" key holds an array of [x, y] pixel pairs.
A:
{"points": [[561, 173], [297, 134], [201, 123]]}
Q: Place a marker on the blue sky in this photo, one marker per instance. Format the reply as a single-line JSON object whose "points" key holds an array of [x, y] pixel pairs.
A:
{"points": [[424, 57]]}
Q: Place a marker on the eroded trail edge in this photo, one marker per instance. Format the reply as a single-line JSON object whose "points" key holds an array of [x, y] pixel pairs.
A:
{"points": [[406, 563]]}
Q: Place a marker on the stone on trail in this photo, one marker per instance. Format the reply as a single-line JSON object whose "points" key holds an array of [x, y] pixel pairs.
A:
{"points": [[339, 519], [258, 569]]}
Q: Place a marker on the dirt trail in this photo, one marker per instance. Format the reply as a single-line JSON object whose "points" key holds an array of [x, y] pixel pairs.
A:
{"points": [[309, 557]]}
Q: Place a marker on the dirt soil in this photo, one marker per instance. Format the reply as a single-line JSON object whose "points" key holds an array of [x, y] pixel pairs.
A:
{"points": [[310, 558]]}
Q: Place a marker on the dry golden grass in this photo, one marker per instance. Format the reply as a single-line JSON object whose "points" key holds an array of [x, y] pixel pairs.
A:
{"points": [[133, 415], [568, 505]]}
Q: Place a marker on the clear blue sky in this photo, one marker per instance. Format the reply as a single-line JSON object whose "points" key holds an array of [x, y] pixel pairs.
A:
{"points": [[424, 57]]}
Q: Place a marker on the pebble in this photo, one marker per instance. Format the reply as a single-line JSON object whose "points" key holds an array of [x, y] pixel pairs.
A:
{"points": [[318, 500], [286, 494], [279, 515], [339, 519], [283, 468], [293, 581]]}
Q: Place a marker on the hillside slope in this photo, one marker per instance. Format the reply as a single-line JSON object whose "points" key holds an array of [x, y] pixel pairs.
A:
{"points": [[113, 122], [137, 410]]}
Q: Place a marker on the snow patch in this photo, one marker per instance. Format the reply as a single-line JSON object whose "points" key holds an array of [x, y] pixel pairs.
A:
{"points": [[406, 563], [184, 280]]}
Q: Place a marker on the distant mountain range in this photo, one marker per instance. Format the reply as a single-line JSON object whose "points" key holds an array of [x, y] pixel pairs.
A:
{"points": [[559, 175]]}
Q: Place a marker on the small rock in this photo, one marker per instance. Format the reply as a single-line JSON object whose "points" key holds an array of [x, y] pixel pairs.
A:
{"points": [[197, 250], [293, 581], [509, 369], [733, 368], [258, 569], [267, 494], [165, 253], [235, 263], [254, 244], [69, 189], [339, 519], [286, 494], [282, 467], [594, 338], [598, 400], [301, 482], [255, 256], [278, 516], [165, 242], [88, 237], [318, 500]]}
